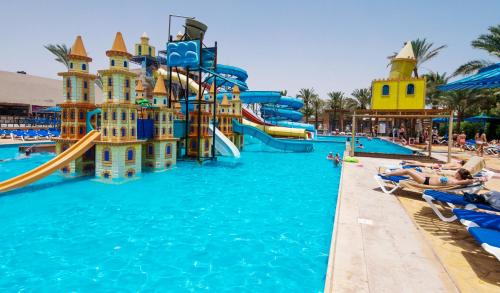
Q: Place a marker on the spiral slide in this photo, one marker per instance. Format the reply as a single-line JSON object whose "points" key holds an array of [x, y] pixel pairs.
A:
{"points": [[71, 154]]}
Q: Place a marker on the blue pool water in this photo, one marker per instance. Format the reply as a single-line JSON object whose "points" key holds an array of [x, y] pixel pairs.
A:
{"points": [[375, 145], [260, 225]]}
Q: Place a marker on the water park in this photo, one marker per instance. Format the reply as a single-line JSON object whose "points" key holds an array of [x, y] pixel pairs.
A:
{"points": [[165, 170]]}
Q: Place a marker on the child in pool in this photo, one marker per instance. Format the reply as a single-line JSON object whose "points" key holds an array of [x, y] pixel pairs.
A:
{"points": [[330, 156], [360, 146], [337, 160]]}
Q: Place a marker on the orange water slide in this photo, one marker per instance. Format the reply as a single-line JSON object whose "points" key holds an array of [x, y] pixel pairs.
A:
{"points": [[71, 154]]}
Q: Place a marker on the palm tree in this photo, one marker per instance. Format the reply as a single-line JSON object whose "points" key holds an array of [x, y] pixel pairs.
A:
{"points": [[307, 96], [459, 101], [283, 92], [339, 102], [423, 51], [60, 52], [317, 105], [434, 79], [362, 97], [490, 43]]}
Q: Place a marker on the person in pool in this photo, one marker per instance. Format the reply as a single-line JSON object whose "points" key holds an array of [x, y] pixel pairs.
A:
{"points": [[360, 146], [337, 160], [461, 177], [330, 156], [447, 166]]}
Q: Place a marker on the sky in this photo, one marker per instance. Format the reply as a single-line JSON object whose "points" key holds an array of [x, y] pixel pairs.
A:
{"points": [[284, 45]]}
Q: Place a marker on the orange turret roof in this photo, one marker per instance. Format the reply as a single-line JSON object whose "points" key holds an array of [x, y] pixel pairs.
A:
{"points": [[224, 102], [119, 47], [236, 89], [139, 87], [160, 87], [78, 50]]}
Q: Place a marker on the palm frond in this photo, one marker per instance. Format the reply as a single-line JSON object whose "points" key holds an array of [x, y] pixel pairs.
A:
{"points": [[60, 51]]}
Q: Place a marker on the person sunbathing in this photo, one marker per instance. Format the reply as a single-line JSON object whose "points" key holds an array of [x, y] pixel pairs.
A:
{"points": [[461, 177], [447, 166]]}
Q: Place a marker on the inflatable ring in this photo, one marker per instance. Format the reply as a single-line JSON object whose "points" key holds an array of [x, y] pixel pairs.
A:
{"points": [[351, 159]]}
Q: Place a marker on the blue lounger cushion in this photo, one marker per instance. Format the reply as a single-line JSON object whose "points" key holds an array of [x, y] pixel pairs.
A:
{"points": [[483, 220], [489, 239], [393, 178], [455, 199]]}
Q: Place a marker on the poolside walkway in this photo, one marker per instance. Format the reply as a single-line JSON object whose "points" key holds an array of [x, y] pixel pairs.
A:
{"points": [[378, 247]]}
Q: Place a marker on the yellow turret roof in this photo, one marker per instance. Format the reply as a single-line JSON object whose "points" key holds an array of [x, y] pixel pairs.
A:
{"points": [[224, 102], [160, 87], [236, 89], [406, 52], [78, 50], [139, 87], [119, 47]]}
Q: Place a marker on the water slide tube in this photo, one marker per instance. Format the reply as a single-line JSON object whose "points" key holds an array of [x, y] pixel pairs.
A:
{"points": [[232, 75], [72, 153], [278, 113], [254, 131], [279, 131], [223, 144], [179, 78]]}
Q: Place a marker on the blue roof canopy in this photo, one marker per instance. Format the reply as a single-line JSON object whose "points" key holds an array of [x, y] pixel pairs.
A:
{"points": [[486, 78]]}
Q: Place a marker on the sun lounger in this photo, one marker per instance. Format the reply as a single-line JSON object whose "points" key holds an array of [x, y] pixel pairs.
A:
{"points": [[478, 219], [452, 200], [394, 181], [488, 238]]}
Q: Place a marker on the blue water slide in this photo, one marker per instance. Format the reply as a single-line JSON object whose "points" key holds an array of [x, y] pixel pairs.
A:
{"points": [[290, 124], [269, 112], [290, 146], [249, 97], [291, 102], [232, 75]]}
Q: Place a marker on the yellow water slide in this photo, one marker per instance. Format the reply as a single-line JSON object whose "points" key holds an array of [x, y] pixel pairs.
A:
{"points": [[72, 153], [278, 130], [179, 78]]}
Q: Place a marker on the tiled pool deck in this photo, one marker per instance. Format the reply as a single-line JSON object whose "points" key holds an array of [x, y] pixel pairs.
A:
{"points": [[377, 247]]}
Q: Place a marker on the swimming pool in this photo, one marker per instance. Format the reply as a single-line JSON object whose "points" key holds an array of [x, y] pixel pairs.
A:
{"points": [[375, 145], [263, 224]]}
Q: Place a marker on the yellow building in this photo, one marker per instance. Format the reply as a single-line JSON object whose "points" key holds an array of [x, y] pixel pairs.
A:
{"points": [[79, 98], [118, 154], [400, 91], [144, 49]]}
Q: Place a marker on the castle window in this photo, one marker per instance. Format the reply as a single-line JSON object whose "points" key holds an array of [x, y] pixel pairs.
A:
{"points": [[114, 131], [163, 130], [149, 51], [106, 155], [112, 62], [164, 101], [151, 150], [156, 117], [222, 110], [127, 96], [114, 115], [170, 130], [68, 96], [130, 154], [64, 129], [64, 114], [109, 95], [105, 131], [132, 131], [132, 116], [124, 132], [105, 115], [154, 101], [68, 82], [169, 117], [71, 65], [139, 49], [385, 90], [156, 131], [72, 130], [80, 115], [110, 81], [72, 114], [85, 96], [410, 89], [85, 84], [168, 151], [164, 117], [125, 63], [206, 144], [124, 116], [127, 83], [84, 66], [81, 130]]}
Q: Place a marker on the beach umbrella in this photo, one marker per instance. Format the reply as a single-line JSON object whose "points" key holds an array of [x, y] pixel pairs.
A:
{"points": [[483, 118], [54, 109]]}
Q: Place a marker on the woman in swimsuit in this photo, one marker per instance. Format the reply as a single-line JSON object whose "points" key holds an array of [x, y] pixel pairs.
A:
{"points": [[448, 166], [480, 142], [462, 177]]}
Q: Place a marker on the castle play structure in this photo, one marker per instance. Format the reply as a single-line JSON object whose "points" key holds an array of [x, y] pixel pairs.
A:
{"points": [[180, 105]]}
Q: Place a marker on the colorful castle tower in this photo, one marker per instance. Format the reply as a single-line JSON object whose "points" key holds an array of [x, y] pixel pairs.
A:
{"points": [[118, 154], [160, 152], [237, 114], [144, 48], [205, 143], [79, 95], [400, 90]]}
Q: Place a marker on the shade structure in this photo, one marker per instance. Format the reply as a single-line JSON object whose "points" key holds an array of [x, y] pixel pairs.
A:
{"points": [[486, 78], [483, 118]]}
